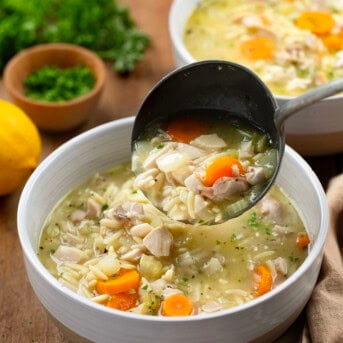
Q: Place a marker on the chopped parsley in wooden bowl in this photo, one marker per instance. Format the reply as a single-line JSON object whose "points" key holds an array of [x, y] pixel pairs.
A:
{"points": [[54, 84], [58, 85]]}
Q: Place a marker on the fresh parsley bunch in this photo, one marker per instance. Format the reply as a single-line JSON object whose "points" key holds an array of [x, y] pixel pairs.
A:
{"points": [[99, 25]]}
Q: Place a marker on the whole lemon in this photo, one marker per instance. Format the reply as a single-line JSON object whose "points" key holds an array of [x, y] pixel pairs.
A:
{"points": [[20, 147]]}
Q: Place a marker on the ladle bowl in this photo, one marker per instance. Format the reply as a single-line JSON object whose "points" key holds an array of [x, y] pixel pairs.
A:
{"points": [[229, 88]]}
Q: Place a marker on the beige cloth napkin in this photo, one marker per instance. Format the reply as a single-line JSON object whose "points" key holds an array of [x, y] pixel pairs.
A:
{"points": [[322, 319], [324, 312]]}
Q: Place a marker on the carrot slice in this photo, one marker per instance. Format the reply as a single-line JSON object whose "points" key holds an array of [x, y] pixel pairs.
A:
{"points": [[303, 241], [122, 301], [222, 166], [333, 42], [258, 48], [317, 22], [265, 283], [125, 281], [184, 130], [177, 305]]}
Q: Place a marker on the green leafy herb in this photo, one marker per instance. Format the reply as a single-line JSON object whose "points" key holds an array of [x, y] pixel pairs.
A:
{"points": [[104, 207], [145, 287], [233, 237], [53, 84], [99, 25], [253, 222], [267, 231]]}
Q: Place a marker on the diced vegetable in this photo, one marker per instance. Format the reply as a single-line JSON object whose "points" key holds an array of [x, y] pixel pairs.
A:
{"points": [[316, 22], [222, 166], [125, 281], [186, 129], [265, 282], [152, 303], [122, 301], [258, 48], [177, 305], [303, 241], [150, 267]]}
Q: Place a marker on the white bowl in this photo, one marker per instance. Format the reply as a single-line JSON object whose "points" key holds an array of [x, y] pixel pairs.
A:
{"points": [[262, 319], [316, 130]]}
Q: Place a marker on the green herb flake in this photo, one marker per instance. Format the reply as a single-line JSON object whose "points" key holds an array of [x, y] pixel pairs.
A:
{"points": [[135, 191], [218, 242], [104, 207], [145, 287], [233, 237], [52, 251], [185, 279], [252, 222]]}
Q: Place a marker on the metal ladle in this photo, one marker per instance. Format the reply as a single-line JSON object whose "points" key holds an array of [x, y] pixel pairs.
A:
{"points": [[226, 87]]}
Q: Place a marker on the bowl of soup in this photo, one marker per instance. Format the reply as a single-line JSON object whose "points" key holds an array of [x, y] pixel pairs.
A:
{"points": [[105, 263], [292, 46]]}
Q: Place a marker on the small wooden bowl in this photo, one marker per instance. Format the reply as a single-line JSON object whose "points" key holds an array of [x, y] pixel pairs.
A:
{"points": [[54, 116]]}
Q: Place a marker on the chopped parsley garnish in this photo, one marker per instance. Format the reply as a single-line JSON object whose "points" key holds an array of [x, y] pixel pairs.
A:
{"points": [[145, 287], [53, 84], [233, 237], [252, 222], [104, 207]]}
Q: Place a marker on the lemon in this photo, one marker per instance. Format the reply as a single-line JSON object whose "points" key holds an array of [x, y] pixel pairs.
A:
{"points": [[20, 147]]}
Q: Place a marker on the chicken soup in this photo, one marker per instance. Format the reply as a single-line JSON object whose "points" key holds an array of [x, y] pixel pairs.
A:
{"points": [[292, 45], [106, 242], [203, 169]]}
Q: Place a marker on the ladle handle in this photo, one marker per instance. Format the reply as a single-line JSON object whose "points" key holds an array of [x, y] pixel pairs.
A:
{"points": [[309, 98]]}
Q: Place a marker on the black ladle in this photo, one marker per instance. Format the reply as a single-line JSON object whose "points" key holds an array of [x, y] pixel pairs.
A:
{"points": [[226, 86]]}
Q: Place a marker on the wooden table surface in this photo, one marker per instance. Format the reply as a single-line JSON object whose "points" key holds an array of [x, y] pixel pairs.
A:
{"points": [[22, 317]]}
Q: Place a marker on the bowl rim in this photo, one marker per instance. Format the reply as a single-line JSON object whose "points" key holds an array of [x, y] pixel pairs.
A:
{"points": [[187, 58], [31, 254], [100, 75]]}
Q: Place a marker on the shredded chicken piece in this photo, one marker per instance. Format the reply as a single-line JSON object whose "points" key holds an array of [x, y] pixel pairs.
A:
{"points": [[150, 161], [270, 208], [194, 183], [255, 175], [159, 241], [281, 265], [69, 254], [93, 209], [77, 216], [224, 188]]}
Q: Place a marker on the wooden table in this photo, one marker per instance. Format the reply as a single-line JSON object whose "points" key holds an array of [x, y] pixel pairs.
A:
{"points": [[22, 317]]}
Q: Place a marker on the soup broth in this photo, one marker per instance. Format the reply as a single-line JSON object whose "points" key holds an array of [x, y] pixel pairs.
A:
{"points": [[106, 242], [292, 45]]}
